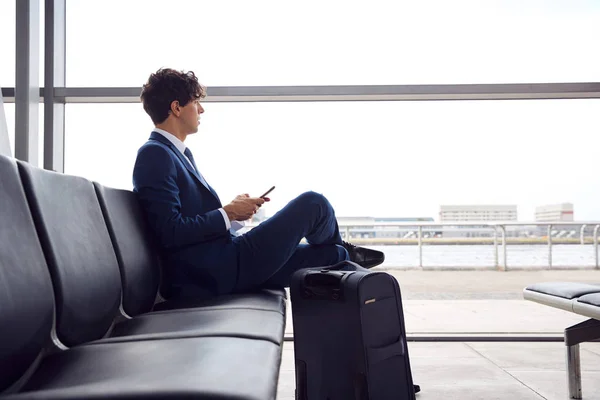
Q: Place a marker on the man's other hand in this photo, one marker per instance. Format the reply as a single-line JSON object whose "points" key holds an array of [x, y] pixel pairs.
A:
{"points": [[243, 207]]}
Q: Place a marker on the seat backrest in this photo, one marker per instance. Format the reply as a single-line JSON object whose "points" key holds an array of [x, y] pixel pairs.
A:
{"points": [[134, 246], [78, 250], [26, 298]]}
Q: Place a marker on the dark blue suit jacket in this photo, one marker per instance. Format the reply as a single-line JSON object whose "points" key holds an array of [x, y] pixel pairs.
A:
{"points": [[200, 256]]}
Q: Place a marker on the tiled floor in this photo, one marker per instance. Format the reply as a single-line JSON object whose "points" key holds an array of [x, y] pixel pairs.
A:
{"points": [[486, 371]]}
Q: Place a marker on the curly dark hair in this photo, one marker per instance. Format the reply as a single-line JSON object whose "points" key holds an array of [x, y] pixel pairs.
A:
{"points": [[165, 86]]}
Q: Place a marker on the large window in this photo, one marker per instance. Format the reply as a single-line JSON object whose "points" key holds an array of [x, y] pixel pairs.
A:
{"points": [[7, 43], [9, 110], [392, 159], [118, 43], [395, 159], [387, 159]]}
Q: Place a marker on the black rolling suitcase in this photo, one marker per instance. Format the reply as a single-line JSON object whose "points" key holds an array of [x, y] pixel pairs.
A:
{"points": [[349, 335]]}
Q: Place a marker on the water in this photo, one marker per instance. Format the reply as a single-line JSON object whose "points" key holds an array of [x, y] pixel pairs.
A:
{"points": [[482, 256]]}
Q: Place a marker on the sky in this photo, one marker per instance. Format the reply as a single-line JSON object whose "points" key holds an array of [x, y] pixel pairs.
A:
{"points": [[387, 159]]}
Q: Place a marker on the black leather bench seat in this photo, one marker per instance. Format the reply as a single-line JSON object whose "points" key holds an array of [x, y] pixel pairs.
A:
{"points": [[565, 290], [563, 295], [268, 300], [195, 368], [593, 299], [245, 323], [123, 260], [77, 318]]}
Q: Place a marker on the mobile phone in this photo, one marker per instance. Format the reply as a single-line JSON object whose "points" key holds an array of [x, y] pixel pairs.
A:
{"points": [[268, 191]]}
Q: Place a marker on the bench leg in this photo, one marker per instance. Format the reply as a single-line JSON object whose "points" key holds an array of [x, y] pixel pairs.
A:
{"points": [[574, 372], [583, 332]]}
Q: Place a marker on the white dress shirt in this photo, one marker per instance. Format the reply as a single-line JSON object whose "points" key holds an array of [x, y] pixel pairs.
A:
{"points": [[180, 146]]}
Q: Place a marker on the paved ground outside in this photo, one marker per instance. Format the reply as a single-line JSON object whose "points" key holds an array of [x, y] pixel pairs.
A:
{"points": [[484, 371]]}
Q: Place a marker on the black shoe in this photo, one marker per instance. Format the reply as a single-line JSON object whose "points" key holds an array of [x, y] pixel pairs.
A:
{"points": [[417, 388], [366, 258]]}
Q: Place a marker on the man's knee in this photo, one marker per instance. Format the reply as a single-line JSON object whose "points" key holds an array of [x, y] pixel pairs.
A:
{"points": [[313, 198]]}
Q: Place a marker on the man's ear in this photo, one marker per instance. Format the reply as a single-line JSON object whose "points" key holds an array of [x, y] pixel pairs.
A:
{"points": [[175, 108]]}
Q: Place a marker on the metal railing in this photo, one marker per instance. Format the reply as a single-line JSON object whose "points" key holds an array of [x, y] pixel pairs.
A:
{"points": [[499, 238]]}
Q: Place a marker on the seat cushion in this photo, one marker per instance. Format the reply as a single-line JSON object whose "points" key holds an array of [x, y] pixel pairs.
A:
{"points": [[565, 290], [200, 368], [257, 324], [270, 300], [592, 299]]}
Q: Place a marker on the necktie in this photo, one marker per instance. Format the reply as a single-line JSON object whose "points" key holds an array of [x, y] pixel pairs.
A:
{"points": [[189, 155]]}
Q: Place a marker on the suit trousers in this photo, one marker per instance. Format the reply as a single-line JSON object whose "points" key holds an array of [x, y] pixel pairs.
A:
{"points": [[270, 253]]}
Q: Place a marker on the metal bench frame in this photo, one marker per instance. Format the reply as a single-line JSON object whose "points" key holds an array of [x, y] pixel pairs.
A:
{"points": [[585, 331]]}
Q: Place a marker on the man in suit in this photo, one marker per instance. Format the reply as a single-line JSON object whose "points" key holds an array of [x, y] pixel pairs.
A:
{"points": [[203, 257]]}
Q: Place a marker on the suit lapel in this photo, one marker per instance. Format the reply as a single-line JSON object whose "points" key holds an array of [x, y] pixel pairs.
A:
{"points": [[157, 136]]}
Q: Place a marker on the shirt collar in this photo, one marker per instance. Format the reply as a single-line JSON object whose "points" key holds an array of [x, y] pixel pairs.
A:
{"points": [[173, 139]]}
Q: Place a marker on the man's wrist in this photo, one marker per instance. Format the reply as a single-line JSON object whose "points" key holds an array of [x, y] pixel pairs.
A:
{"points": [[230, 213], [226, 218]]}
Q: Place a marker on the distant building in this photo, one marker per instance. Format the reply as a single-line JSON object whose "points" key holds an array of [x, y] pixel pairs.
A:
{"points": [[554, 213], [476, 213]]}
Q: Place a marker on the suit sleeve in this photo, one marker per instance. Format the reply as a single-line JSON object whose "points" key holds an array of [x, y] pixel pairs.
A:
{"points": [[154, 179]]}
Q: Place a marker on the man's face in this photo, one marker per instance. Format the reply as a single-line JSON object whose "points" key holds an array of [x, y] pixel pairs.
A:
{"points": [[190, 115]]}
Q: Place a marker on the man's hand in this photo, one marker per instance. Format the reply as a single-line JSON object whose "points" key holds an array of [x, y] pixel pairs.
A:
{"points": [[243, 207]]}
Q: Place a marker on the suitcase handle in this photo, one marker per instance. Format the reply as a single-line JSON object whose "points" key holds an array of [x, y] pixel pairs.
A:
{"points": [[323, 284], [326, 282], [352, 266]]}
